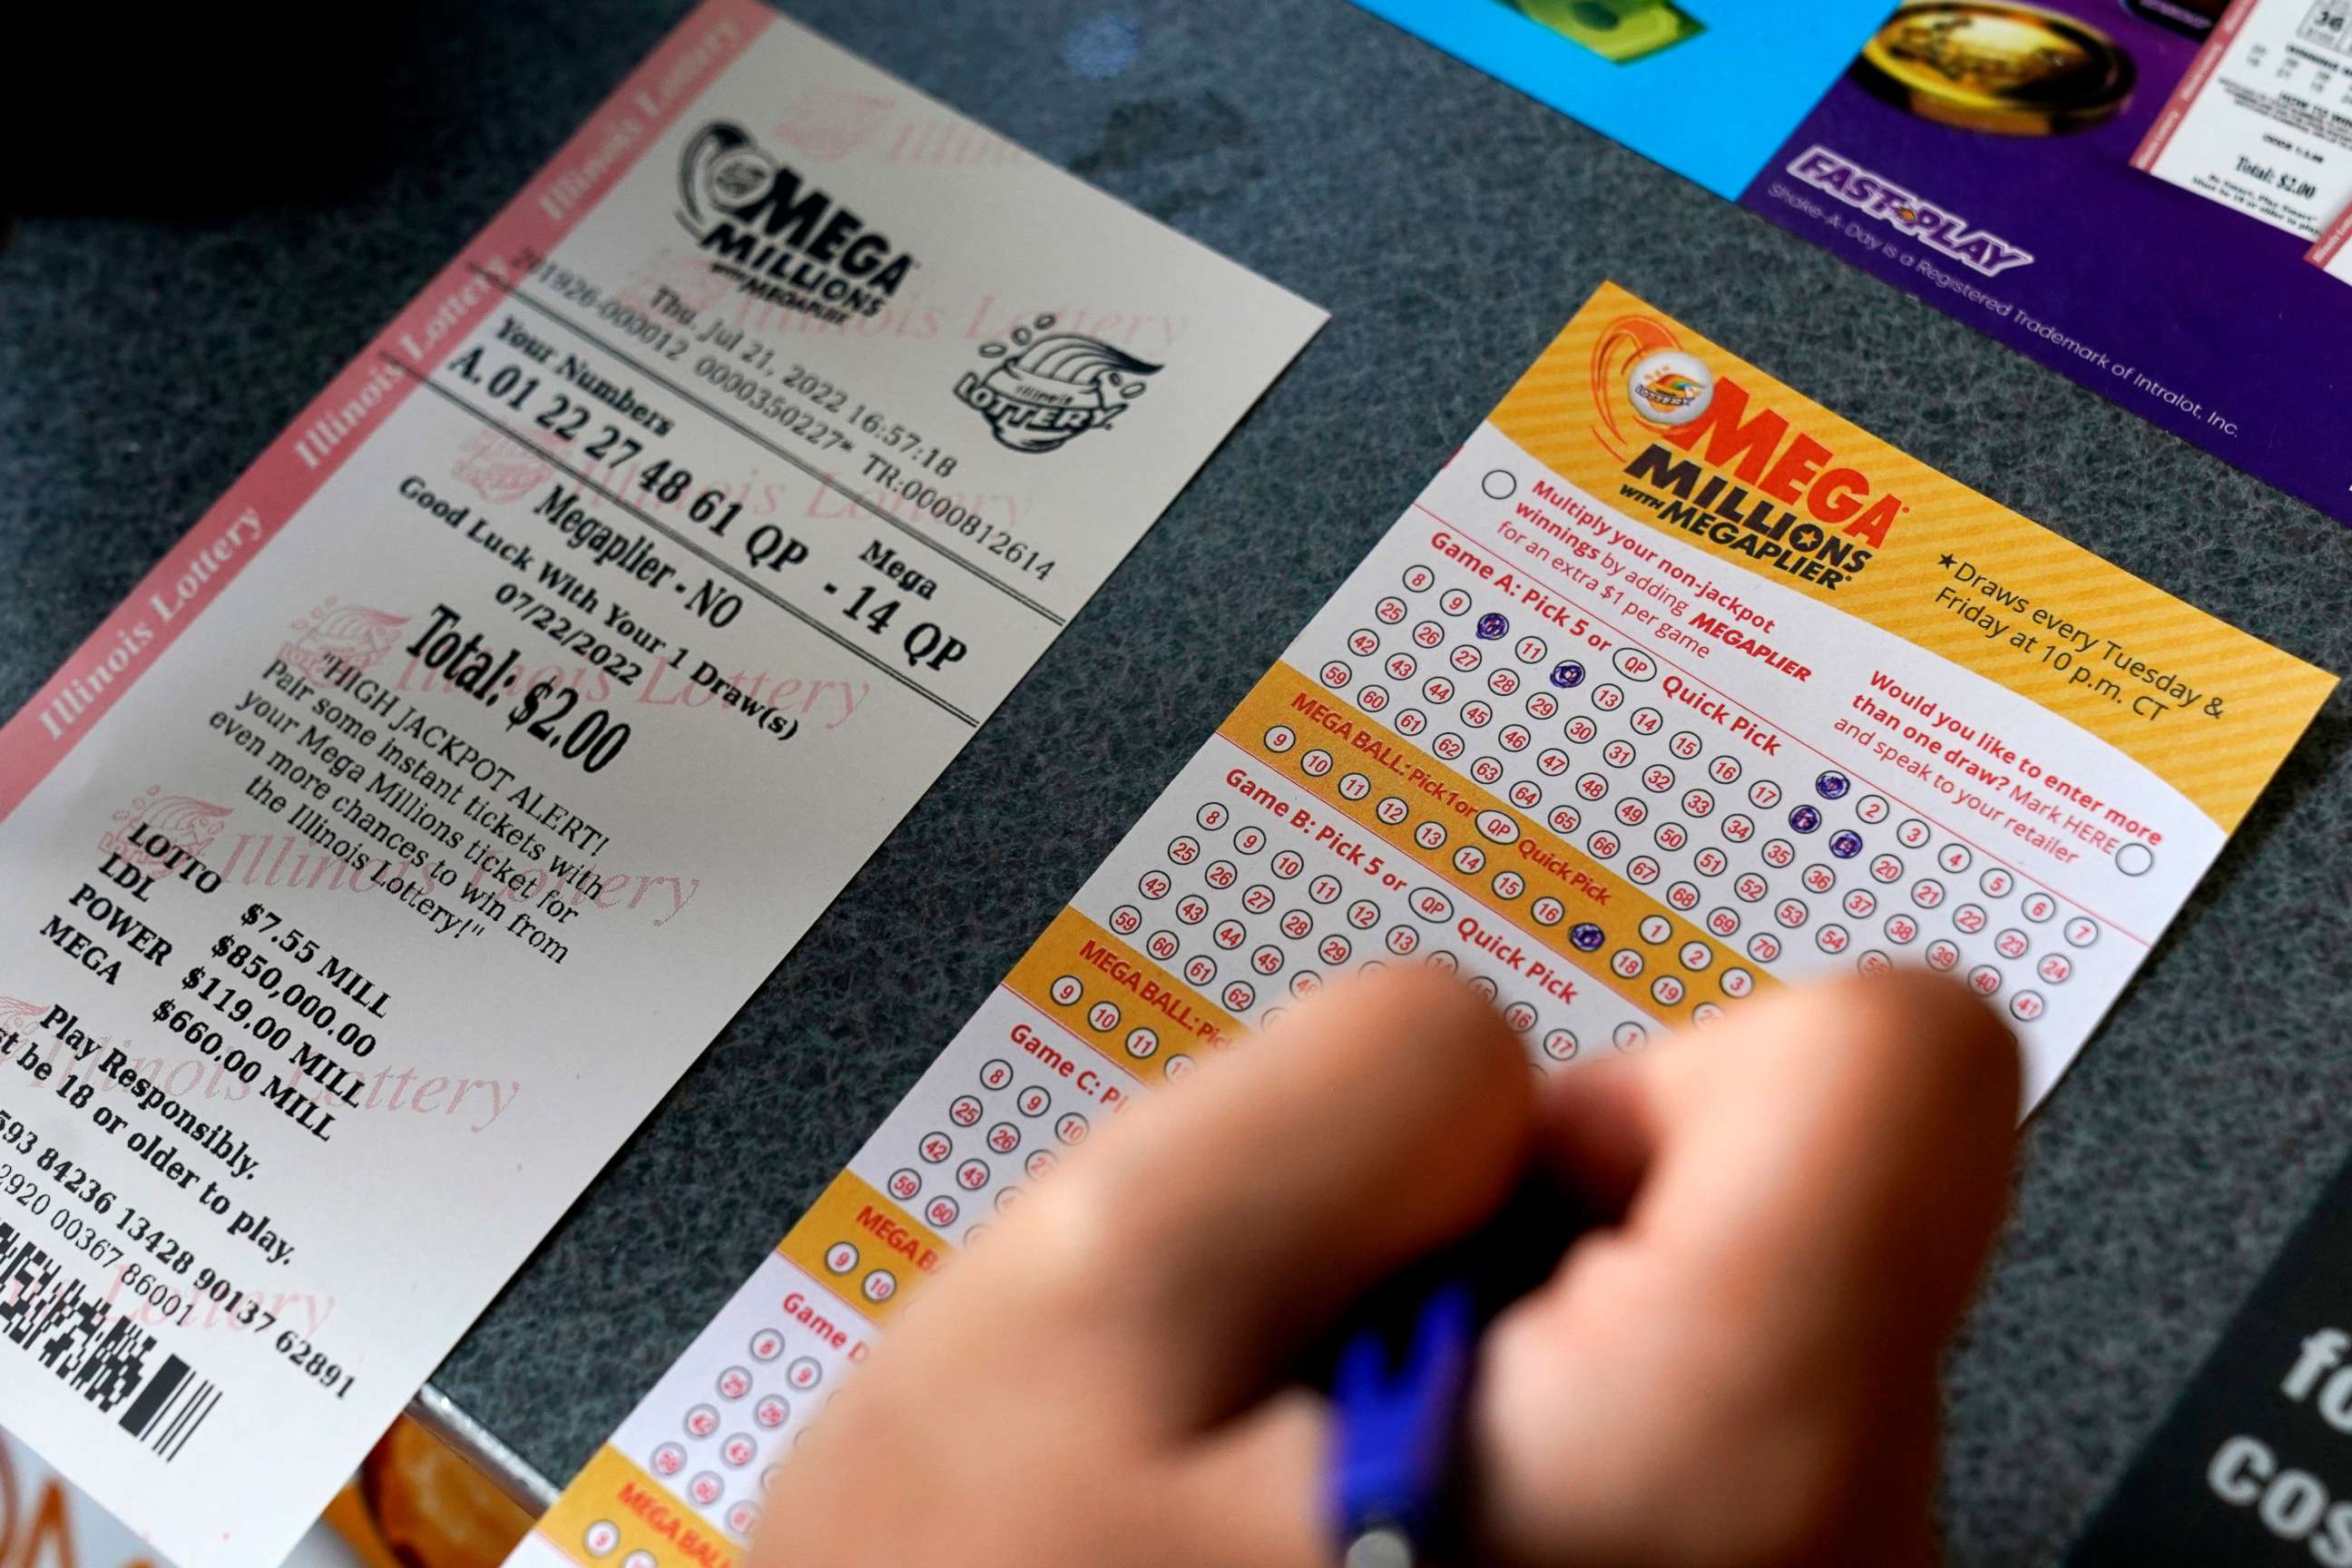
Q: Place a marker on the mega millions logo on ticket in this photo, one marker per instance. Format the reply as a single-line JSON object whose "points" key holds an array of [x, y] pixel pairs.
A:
{"points": [[1672, 688]]}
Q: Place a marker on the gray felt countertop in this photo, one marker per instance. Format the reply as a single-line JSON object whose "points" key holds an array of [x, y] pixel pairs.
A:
{"points": [[1450, 226]]}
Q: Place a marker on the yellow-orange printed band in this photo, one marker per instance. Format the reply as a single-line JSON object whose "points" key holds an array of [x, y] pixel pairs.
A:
{"points": [[612, 1510], [867, 1250], [1678, 433]]}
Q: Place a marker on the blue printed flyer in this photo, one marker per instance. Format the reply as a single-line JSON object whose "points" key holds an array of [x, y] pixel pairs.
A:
{"points": [[1637, 70]]}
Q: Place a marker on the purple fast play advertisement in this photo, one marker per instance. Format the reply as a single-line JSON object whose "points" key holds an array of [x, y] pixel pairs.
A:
{"points": [[1978, 155]]}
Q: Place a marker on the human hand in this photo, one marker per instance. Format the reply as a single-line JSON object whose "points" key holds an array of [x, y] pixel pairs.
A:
{"points": [[1739, 1370]]}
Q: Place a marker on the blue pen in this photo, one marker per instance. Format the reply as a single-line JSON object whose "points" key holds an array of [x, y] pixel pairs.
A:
{"points": [[1394, 1452], [1398, 1385]]}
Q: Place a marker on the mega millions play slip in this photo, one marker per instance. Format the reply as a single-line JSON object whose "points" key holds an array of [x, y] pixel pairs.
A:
{"points": [[380, 862], [1671, 689]]}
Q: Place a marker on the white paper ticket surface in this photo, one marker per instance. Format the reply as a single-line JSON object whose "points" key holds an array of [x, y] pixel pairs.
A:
{"points": [[2262, 120], [1672, 688], [384, 858]]}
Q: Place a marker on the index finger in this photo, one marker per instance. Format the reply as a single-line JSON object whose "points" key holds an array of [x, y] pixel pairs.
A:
{"points": [[1809, 1140], [1810, 1188]]}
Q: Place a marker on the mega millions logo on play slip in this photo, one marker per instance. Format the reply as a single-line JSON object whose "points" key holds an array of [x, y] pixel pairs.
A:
{"points": [[1708, 457], [780, 236]]}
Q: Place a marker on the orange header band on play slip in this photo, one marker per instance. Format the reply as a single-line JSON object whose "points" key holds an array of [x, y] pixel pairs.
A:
{"points": [[1772, 482]]}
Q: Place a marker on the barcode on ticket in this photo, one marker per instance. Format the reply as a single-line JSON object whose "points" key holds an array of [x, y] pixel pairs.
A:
{"points": [[96, 1352], [168, 1411]]}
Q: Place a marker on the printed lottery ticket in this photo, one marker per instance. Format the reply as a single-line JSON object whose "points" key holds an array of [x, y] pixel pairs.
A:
{"points": [[1673, 688], [408, 831], [2262, 120]]}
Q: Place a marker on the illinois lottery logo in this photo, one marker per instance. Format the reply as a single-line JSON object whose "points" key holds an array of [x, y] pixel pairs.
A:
{"points": [[498, 468], [1045, 389], [182, 821], [1670, 387], [829, 123], [352, 635]]}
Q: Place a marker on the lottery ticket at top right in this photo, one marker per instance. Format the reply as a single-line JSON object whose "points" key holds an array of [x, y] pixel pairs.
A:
{"points": [[1673, 687]]}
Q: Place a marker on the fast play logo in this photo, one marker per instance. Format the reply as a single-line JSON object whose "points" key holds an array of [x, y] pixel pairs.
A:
{"points": [[1947, 234], [1048, 388]]}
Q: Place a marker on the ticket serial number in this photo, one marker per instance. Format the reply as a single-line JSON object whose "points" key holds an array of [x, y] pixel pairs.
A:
{"points": [[174, 1287]]}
